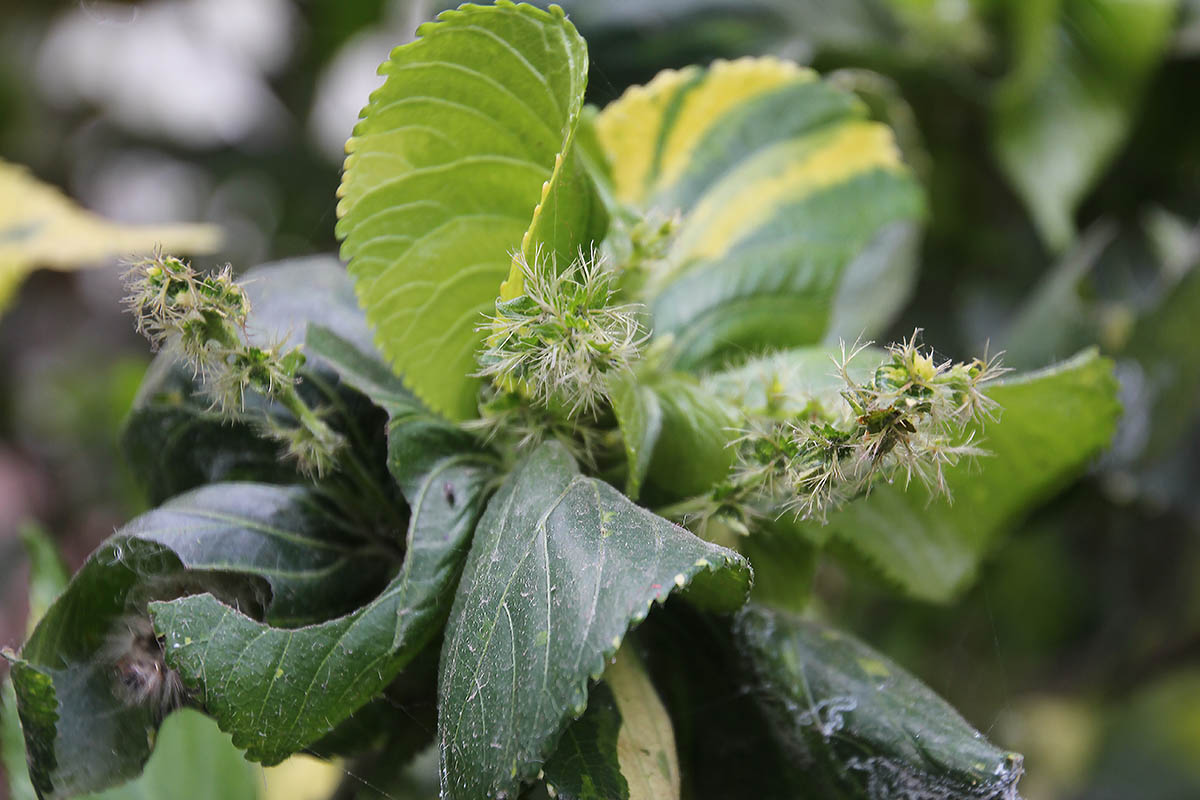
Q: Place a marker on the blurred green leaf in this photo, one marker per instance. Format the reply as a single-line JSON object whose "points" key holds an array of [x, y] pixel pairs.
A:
{"points": [[1079, 70]]}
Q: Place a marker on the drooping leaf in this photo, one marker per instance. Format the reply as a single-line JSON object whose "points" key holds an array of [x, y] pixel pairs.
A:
{"points": [[12, 746], [41, 227], [764, 163], [864, 727], [560, 567], [268, 549], [276, 689], [444, 171], [1080, 67], [175, 441]]}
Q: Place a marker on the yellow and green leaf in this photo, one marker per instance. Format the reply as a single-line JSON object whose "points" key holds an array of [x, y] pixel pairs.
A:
{"points": [[783, 185], [461, 159], [42, 227]]}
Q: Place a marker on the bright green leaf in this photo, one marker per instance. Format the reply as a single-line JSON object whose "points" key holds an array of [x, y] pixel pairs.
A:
{"points": [[865, 727], [560, 567], [443, 174]]}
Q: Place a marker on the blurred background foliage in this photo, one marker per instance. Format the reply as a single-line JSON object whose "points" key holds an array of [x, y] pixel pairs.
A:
{"points": [[1059, 143]]}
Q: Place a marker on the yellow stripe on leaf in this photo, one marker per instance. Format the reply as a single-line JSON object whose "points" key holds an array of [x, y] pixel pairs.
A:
{"points": [[784, 173], [726, 85], [629, 128]]}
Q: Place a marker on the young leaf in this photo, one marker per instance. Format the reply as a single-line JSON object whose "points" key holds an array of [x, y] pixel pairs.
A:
{"points": [[864, 726], [276, 689], [765, 163], [676, 436], [560, 568], [443, 174], [41, 227], [268, 548]]}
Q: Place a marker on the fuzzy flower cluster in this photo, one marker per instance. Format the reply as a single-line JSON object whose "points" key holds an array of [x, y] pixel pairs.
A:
{"points": [[206, 315], [911, 419], [560, 341]]}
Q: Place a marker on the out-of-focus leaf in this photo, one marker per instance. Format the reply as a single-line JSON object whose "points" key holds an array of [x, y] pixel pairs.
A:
{"points": [[1079, 70], [41, 227], [1054, 320], [762, 161], [276, 689], [47, 575], [268, 549], [445, 168], [866, 728], [534, 619]]}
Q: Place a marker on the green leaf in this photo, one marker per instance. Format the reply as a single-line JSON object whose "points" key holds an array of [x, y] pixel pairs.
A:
{"points": [[1052, 423], [192, 760], [781, 183], [639, 417], [175, 441], [443, 174], [268, 549], [785, 564], [560, 567], [1080, 68], [676, 436], [47, 574], [277, 690], [12, 746], [866, 727]]}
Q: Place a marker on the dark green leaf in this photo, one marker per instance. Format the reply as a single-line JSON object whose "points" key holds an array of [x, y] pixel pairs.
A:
{"points": [[1079, 70], [277, 690], [867, 728], [267, 549], [559, 569]]}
